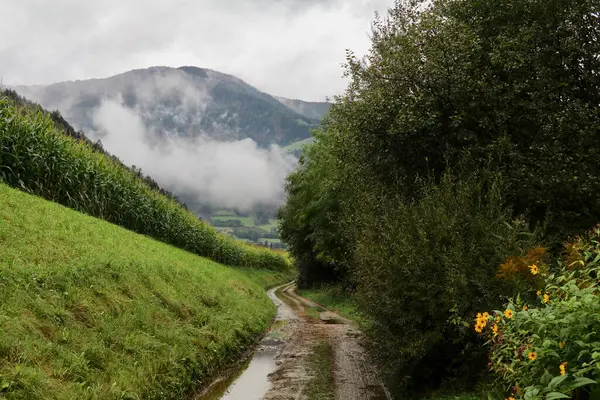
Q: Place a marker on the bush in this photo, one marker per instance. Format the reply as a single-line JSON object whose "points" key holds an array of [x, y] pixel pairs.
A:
{"points": [[423, 268], [550, 347], [36, 158]]}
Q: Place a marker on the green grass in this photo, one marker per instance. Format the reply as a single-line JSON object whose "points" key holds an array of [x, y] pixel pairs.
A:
{"points": [[224, 213], [320, 364], [269, 240], [299, 144], [335, 299], [272, 224], [246, 221], [89, 310]]}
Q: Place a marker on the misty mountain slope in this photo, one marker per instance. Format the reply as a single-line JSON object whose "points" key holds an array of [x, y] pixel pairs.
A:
{"points": [[184, 102], [314, 110]]}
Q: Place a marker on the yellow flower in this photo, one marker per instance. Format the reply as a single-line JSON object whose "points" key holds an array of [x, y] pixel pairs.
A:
{"points": [[498, 318], [563, 368], [510, 398], [532, 356], [534, 269], [539, 292], [562, 345], [495, 329], [546, 298], [508, 314], [481, 321], [525, 308]]}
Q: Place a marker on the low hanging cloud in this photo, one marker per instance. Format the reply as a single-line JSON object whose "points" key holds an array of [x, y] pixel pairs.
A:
{"points": [[234, 174]]}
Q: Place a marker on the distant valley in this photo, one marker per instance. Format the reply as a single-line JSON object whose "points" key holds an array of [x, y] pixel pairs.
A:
{"points": [[188, 128]]}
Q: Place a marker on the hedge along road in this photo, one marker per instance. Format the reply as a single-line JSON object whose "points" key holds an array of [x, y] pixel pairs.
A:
{"points": [[280, 369]]}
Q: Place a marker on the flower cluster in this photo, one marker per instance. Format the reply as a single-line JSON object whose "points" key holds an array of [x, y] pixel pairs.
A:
{"points": [[563, 368], [526, 266], [545, 343], [481, 321]]}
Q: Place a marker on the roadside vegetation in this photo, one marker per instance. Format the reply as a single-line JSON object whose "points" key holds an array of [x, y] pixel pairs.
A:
{"points": [[39, 158], [320, 364], [467, 139], [544, 342], [336, 299], [89, 310]]}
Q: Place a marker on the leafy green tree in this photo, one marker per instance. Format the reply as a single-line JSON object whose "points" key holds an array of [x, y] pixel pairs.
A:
{"points": [[512, 81], [310, 219], [506, 86]]}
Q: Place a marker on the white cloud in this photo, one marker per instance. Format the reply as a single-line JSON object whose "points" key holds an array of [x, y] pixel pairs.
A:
{"points": [[292, 48], [235, 174]]}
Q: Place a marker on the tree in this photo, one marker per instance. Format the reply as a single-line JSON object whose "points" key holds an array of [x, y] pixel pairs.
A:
{"points": [[310, 219], [507, 88], [514, 82]]}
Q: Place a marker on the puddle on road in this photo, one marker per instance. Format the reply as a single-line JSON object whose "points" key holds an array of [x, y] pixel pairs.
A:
{"points": [[250, 382]]}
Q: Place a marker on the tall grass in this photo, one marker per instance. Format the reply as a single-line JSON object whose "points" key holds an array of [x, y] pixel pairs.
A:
{"points": [[38, 159], [89, 310]]}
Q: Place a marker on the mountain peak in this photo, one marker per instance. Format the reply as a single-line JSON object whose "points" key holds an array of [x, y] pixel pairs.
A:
{"points": [[186, 101]]}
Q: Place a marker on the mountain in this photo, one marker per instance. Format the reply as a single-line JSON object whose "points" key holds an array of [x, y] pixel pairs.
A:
{"points": [[185, 101], [308, 109]]}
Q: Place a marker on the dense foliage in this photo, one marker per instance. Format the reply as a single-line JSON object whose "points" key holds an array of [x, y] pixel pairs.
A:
{"points": [[37, 158], [424, 267], [310, 221], [549, 346], [468, 124]]}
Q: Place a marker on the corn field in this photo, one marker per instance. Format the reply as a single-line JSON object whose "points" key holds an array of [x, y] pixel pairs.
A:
{"points": [[38, 159]]}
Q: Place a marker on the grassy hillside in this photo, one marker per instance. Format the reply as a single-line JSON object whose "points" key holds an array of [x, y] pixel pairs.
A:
{"points": [[89, 310], [38, 158]]}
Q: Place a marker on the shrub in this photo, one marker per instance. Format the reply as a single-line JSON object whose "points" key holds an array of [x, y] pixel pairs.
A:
{"points": [[519, 269], [423, 266], [36, 158], [550, 347]]}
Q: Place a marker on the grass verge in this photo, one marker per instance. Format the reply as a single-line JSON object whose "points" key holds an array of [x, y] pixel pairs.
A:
{"points": [[337, 300], [89, 310], [320, 386]]}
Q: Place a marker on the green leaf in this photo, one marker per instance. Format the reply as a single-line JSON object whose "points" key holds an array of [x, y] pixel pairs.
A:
{"points": [[582, 381], [556, 381], [531, 393], [556, 395], [546, 379]]}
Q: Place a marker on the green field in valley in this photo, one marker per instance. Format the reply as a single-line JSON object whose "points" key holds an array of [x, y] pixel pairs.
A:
{"points": [[299, 144], [89, 310], [246, 221]]}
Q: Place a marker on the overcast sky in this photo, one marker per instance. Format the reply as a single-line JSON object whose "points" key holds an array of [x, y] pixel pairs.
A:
{"points": [[291, 48]]}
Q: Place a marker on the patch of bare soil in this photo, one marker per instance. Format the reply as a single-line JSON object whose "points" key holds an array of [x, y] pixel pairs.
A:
{"points": [[355, 378]]}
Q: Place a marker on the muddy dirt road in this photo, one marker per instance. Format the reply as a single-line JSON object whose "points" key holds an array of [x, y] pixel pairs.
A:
{"points": [[302, 324]]}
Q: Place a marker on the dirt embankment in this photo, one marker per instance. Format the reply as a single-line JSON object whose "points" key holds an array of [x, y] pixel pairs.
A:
{"points": [[302, 324]]}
